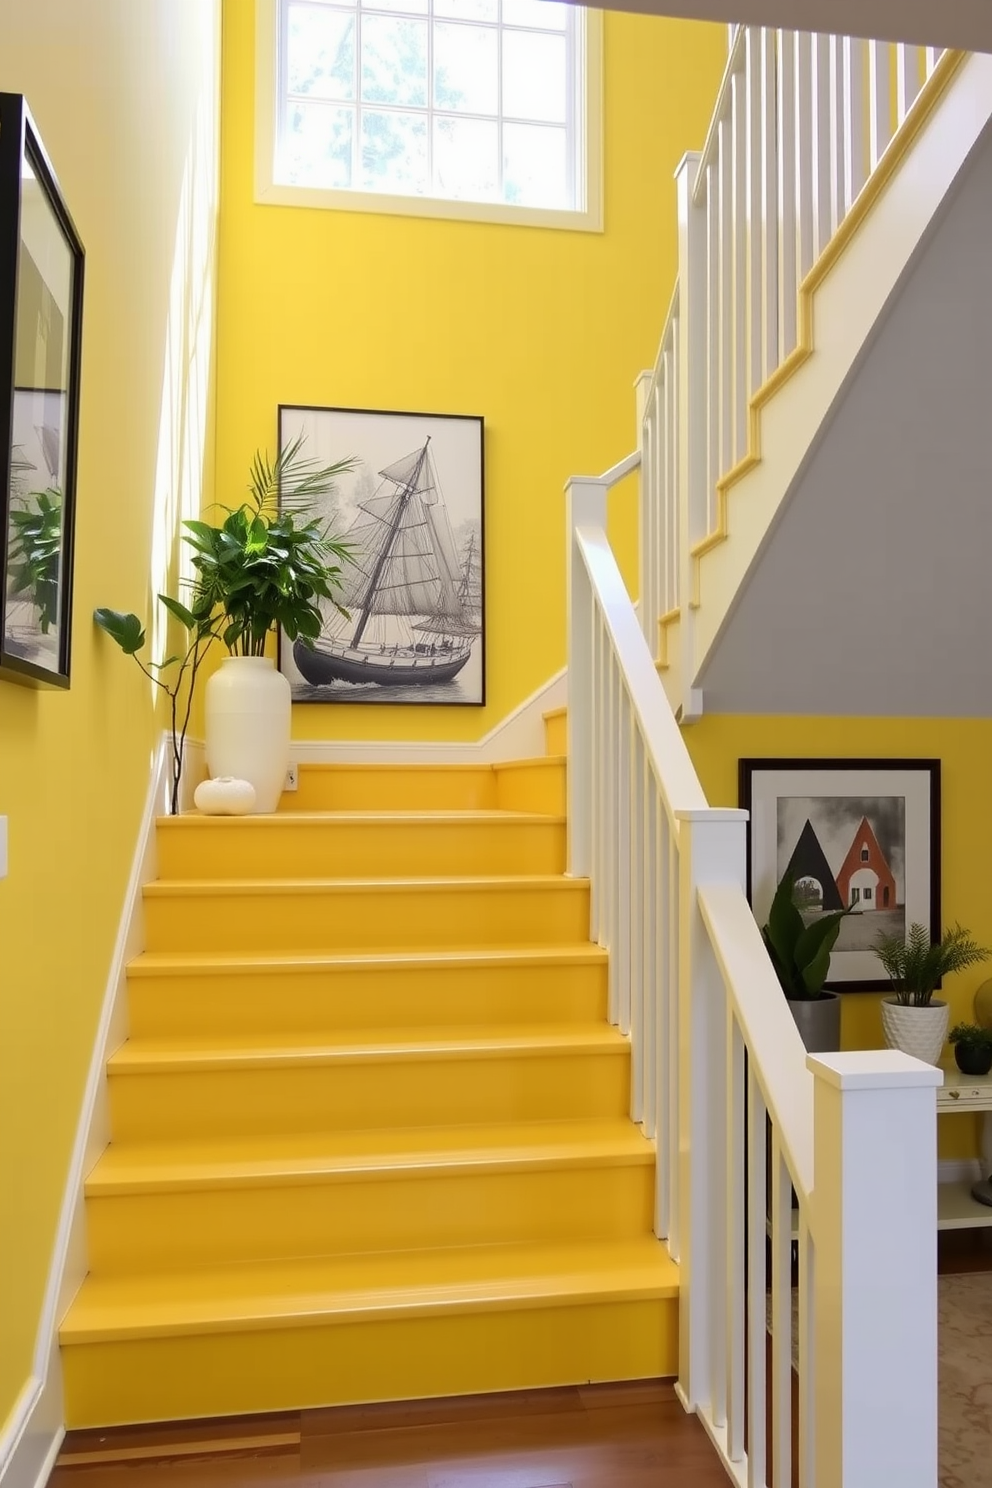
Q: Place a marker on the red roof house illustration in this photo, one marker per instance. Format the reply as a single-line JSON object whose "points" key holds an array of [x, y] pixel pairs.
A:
{"points": [[865, 878]]}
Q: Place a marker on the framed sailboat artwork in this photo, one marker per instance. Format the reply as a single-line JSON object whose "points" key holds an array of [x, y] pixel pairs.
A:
{"points": [[412, 511]]}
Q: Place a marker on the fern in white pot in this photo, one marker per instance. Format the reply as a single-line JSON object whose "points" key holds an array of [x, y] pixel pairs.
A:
{"points": [[913, 1020]]}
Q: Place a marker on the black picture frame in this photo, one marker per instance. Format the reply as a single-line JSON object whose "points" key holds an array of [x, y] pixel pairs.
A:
{"points": [[425, 645], [41, 312], [800, 815]]}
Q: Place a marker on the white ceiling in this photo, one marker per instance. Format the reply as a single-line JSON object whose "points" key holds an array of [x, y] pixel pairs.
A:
{"points": [[954, 23], [873, 594]]}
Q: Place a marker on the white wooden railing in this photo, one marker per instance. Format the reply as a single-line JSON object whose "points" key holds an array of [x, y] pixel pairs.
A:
{"points": [[802, 124], [718, 1063]]}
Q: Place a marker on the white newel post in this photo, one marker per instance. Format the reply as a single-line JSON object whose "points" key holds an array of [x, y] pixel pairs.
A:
{"points": [[692, 495], [585, 507], [874, 1209], [711, 851]]}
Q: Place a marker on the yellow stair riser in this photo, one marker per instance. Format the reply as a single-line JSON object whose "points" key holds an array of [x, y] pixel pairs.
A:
{"points": [[169, 1231], [406, 996], [534, 785], [308, 1097], [274, 846], [393, 788], [174, 1378], [556, 732], [221, 918]]}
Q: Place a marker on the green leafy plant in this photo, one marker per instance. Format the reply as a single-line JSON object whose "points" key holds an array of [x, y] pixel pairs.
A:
{"points": [[799, 952], [971, 1036], [36, 552], [269, 563], [915, 965]]}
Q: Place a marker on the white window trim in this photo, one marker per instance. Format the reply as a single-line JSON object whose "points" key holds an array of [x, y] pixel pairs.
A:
{"points": [[268, 192]]}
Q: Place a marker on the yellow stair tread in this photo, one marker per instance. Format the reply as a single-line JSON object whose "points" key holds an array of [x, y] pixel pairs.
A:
{"points": [[362, 1046], [546, 761], [534, 883], [470, 817], [242, 1162], [345, 1289], [154, 963]]}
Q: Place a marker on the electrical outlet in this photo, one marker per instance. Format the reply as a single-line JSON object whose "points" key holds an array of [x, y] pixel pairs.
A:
{"points": [[292, 778]]}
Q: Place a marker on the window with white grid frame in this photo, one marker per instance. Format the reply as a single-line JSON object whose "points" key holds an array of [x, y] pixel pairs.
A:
{"points": [[471, 102]]}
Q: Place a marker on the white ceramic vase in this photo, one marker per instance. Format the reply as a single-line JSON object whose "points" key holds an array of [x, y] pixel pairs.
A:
{"points": [[919, 1031], [248, 707]]}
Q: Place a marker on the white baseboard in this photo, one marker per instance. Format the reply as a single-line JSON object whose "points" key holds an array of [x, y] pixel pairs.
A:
{"points": [[958, 1170], [30, 1439], [519, 736]]}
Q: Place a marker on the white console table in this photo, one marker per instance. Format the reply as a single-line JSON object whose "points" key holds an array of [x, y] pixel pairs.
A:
{"points": [[956, 1209]]}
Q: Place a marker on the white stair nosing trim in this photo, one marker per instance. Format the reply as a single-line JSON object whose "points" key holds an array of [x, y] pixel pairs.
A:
{"points": [[34, 1432], [519, 734]]}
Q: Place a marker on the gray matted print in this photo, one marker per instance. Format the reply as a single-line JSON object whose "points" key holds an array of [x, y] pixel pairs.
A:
{"points": [[859, 833], [412, 510], [846, 852]]}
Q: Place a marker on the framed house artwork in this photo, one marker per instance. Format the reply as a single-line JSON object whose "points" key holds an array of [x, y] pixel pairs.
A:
{"points": [[41, 305], [412, 511], [858, 833]]}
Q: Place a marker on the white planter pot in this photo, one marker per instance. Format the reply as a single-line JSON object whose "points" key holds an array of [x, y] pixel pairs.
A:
{"points": [[248, 711], [919, 1031]]}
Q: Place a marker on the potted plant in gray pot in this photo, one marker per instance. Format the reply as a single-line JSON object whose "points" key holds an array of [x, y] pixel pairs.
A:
{"points": [[800, 954], [913, 1020]]}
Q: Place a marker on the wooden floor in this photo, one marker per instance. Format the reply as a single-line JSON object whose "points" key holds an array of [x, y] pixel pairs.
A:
{"points": [[597, 1436]]}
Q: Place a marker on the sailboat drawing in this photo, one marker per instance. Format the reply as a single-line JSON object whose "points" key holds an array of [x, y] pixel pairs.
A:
{"points": [[415, 606]]}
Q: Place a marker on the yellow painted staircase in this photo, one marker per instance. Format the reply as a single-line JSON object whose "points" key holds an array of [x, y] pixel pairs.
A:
{"points": [[369, 1130]]}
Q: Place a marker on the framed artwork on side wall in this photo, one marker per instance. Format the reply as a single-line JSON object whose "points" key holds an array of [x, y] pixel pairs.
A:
{"points": [[41, 304], [412, 512], [858, 833]]}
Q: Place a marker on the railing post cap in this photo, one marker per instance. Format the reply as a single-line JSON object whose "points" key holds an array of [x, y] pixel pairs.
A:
{"points": [[712, 814], [873, 1069]]}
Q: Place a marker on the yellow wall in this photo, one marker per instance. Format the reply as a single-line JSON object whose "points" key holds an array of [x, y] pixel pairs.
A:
{"points": [[964, 747], [540, 331], [124, 96]]}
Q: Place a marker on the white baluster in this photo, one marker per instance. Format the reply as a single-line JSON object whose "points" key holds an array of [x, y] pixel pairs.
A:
{"points": [[855, 171], [805, 250], [757, 1320], [931, 56], [690, 386], [666, 416], [725, 161], [822, 227], [712, 349], [755, 226], [807, 1356], [610, 895], [675, 508], [874, 1221], [586, 506], [734, 1259], [781, 1292], [788, 283], [769, 206], [649, 945], [648, 507], [907, 78], [711, 850], [635, 882], [597, 663], [672, 1115], [738, 268], [838, 134], [880, 100]]}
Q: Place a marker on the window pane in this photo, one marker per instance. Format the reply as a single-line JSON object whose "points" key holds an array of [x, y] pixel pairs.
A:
{"points": [[316, 145], [550, 14], [466, 159], [465, 69], [394, 61], [468, 10], [534, 76], [534, 173], [418, 7], [320, 52], [394, 152]]}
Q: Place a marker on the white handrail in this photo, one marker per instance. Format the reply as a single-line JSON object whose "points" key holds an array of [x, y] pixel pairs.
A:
{"points": [[721, 1081]]}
